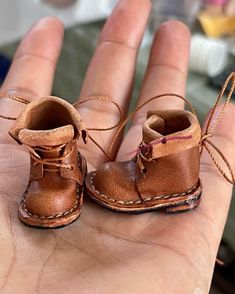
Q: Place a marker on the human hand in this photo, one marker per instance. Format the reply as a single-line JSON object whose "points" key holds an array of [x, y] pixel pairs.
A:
{"points": [[105, 252]]}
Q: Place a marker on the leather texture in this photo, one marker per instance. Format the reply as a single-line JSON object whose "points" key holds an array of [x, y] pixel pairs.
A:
{"points": [[164, 173], [49, 128]]}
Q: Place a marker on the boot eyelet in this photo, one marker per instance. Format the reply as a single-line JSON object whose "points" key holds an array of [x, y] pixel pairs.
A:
{"points": [[144, 171], [163, 140]]}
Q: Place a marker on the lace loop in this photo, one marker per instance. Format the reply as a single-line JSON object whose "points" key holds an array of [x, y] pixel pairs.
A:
{"points": [[106, 99], [15, 98], [208, 145], [211, 126]]}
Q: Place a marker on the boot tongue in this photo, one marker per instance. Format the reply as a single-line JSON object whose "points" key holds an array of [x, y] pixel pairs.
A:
{"points": [[50, 138], [153, 128]]}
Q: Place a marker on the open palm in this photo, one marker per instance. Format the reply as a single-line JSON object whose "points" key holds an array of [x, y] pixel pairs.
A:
{"points": [[106, 252]]}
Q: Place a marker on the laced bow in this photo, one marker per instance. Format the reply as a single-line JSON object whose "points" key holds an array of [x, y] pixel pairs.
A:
{"points": [[211, 126]]}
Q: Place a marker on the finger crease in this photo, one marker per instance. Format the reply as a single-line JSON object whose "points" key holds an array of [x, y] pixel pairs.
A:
{"points": [[30, 93], [34, 56], [168, 66], [122, 44]]}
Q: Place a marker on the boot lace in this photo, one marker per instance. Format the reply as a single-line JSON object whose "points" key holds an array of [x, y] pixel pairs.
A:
{"points": [[51, 164], [143, 149], [84, 132]]}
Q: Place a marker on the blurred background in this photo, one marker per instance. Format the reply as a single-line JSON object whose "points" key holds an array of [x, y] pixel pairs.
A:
{"points": [[212, 23]]}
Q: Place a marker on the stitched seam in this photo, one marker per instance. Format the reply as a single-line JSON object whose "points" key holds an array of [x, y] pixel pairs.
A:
{"points": [[50, 217], [139, 201]]}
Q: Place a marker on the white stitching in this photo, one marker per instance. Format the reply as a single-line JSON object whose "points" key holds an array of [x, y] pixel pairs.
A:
{"points": [[120, 202], [138, 201], [50, 217]]}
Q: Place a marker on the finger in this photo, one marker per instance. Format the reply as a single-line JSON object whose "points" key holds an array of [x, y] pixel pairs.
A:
{"points": [[33, 67], [111, 70], [216, 197], [204, 227], [166, 73], [32, 71]]}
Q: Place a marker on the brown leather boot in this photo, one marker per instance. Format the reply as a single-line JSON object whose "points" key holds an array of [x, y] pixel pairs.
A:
{"points": [[49, 128], [164, 174]]}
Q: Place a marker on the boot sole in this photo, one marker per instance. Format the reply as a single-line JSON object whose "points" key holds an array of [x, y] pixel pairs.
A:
{"points": [[173, 205], [54, 222]]}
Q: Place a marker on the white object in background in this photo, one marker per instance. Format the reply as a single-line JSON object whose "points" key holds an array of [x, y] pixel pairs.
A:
{"points": [[208, 56], [17, 16], [60, 3], [184, 10], [231, 45], [81, 11]]}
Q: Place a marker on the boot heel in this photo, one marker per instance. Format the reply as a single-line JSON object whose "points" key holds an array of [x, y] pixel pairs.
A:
{"points": [[187, 206]]}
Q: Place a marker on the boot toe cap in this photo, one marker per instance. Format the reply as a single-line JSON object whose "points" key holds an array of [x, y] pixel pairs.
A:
{"points": [[50, 203], [112, 183]]}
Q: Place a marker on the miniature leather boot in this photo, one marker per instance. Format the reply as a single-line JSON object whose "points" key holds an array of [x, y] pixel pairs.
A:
{"points": [[164, 173], [49, 128]]}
